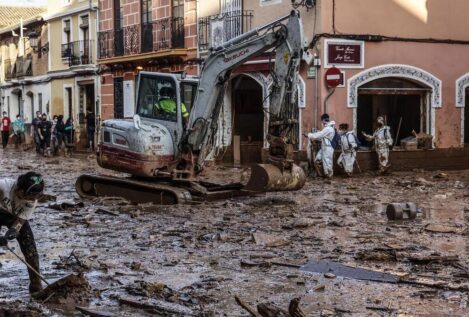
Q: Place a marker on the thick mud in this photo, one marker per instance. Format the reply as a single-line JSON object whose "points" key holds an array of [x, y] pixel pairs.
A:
{"points": [[194, 259]]}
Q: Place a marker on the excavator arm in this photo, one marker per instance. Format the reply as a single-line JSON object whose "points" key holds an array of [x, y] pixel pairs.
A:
{"points": [[286, 39]]}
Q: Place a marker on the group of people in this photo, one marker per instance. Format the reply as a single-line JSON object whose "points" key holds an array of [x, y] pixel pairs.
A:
{"points": [[347, 141], [48, 136], [51, 136]]}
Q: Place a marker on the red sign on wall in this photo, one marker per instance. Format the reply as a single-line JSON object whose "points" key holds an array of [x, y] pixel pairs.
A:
{"points": [[345, 54]]}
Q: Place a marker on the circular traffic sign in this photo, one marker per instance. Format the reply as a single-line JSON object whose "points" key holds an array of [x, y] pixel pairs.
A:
{"points": [[333, 77]]}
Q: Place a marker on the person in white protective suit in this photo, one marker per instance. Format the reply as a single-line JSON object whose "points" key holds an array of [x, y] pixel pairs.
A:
{"points": [[325, 155], [348, 145], [382, 140]]}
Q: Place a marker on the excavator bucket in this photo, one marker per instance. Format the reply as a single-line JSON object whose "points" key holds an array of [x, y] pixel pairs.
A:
{"points": [[269, 178]]}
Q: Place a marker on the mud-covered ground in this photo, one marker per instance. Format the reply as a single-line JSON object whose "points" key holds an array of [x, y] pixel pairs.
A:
{"points": [[196, 258]]}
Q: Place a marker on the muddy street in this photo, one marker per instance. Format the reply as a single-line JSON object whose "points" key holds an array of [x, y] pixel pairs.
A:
{"points": [[188, 260]]}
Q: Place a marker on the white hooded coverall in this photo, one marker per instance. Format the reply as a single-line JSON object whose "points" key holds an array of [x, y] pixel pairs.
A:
{"points": [[383, 140], [326, 153], [348, 155]]}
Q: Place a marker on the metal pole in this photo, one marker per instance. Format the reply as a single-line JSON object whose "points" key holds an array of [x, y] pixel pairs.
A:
{"points": [[316, 88]]}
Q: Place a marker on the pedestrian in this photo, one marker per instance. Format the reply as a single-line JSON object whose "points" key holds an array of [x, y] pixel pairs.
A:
{"points": [[69, 131], [325, 155], [90, 129], [348, 145], [18, 201], [60, 133], [68, 136], [34, 131], [18, 131], [45, 133], [53, 138], [6, 122], [382, 141]]}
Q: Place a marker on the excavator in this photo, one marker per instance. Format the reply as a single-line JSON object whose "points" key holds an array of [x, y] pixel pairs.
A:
{"points": [[174, 130]]}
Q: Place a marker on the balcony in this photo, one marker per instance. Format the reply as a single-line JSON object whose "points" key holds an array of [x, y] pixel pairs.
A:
{"points": [[8, 68], [216, 29], [21, 67], [78, 52], [158, 35]]}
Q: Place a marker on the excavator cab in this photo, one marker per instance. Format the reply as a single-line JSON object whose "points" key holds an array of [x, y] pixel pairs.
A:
{"points": [[148, 143]]}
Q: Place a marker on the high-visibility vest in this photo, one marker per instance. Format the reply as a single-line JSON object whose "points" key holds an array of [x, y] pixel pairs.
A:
{"points": [[169, 106]]}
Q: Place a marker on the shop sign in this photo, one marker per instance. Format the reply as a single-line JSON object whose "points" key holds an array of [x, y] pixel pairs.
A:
{"points": [[344, 53]]}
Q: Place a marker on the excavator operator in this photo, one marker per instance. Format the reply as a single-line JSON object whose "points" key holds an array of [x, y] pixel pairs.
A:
{"points": [[167, 104]]}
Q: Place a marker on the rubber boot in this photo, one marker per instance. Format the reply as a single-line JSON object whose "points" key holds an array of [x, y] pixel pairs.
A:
{"points": [[35, 284], [28, 248]]}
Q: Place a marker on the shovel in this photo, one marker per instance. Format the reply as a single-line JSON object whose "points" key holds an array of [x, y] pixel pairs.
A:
{"points": [[29, 266], [45, 294]]}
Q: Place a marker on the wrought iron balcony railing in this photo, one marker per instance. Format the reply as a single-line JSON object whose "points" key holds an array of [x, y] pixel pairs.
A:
{"points": [[78, 52], [7, 67], [216, 29], [21, 67], [141, 38]]}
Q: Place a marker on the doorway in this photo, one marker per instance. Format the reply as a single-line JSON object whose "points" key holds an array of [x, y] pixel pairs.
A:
{"points": [[68, 111], [248, 118], [401, 102], [466, 120], [119, 98]]}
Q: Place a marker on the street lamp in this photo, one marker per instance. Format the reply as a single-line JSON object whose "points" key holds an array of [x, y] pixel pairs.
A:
{"points": [[34, 43], [309, 4]]}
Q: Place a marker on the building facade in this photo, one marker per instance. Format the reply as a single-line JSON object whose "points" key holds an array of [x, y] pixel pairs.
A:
{"points": [[142, 35], [405, 60], [24, 88], [72, 70]]}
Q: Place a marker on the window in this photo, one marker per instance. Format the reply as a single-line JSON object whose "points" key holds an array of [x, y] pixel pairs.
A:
{"points": [[118, 15], [39, 101], [157, 98], [67, 36], [178, 8], [146, 11], [188, 95], [31, 96]]}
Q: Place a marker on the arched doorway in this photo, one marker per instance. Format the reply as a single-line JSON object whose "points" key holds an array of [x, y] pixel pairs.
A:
{"points": [[248, 118], [466, 119], [401, 101]]}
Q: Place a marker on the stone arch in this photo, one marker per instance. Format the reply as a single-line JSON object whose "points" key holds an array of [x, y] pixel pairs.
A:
{"points": [[461, 84], [393, 70]]}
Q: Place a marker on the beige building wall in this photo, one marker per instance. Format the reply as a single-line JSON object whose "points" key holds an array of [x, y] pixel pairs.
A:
{"points": [[74, 11], [59, 102], [403, 18], [40, 63], [264, 14], [208, 7]]}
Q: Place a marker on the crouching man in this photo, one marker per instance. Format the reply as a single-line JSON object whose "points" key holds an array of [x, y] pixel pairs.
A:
{"points": [[18, 199]]}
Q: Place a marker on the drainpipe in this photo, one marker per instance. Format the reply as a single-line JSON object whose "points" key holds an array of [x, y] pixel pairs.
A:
{"points": [[331, 92]]}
